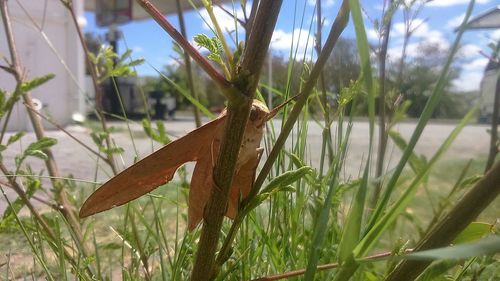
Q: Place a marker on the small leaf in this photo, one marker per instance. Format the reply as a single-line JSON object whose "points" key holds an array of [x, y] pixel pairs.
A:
{"points": [[36, 82], [287, 178], [17, 136], [37, 153], [474, 231], [113, 150], [41, 144]]}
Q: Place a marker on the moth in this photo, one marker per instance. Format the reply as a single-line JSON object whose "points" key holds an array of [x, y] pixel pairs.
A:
{"points": [[200, 145]]}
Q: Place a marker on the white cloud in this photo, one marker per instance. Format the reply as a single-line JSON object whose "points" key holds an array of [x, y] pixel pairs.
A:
{"points": [[471, 75], [137, 49], [456, 21], [324, 3], [468, 81], [476, 65], [225, 21], [469, 50], [283, 40], [421, 29], [413, 49], [447, 3], [372, 34]]}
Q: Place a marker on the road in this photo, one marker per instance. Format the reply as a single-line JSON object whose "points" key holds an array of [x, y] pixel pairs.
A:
{"points": [[75, 160]]}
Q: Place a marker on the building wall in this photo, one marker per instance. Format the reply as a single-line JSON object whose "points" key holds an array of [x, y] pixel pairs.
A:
{"points": [[48, 45]]}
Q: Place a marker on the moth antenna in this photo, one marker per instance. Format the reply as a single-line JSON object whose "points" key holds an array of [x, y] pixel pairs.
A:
{"points": [[275, 110]]}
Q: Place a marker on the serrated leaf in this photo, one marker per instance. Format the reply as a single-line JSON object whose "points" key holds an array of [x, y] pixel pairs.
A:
{"points": [[36, 82], [41, 144], [286, 178], [17, 136], [113, 150], [37, 153]]}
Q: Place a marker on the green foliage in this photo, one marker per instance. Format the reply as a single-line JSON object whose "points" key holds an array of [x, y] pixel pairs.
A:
{"points": [[99, 138], [109, 64], [214, 47], [27, 86], [36, 149], [159, 134]]}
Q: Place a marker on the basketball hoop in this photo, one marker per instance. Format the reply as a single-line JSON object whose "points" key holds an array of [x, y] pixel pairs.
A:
{"points": [[110, 12]]}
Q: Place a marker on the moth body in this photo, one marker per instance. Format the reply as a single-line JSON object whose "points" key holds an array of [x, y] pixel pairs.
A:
{"points": [[201, 145]]}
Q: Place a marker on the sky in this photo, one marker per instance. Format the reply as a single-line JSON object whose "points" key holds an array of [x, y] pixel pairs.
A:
{"points": [[436, 22]]}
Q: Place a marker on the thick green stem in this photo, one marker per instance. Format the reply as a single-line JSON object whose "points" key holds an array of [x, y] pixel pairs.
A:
{"points": [[235, 124], [451, 225]]}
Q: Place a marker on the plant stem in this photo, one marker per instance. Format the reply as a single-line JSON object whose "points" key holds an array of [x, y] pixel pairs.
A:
{"points": [[322, 267], [66, 209], [237, 116], [383, 134], [184, 43], [97, 88], [187, 63], [337, 28], [452, 224], [494, 127]]}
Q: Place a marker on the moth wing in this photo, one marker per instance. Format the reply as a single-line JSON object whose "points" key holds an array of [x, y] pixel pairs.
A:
{"points": [[201, 185], [156, 169], [242, 184]]}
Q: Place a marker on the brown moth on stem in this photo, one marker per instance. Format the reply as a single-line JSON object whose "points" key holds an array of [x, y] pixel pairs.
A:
{"points": [[200, 145]]}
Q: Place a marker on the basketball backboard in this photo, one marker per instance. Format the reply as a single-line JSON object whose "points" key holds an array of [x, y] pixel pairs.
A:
{"points": [[136, 12]]}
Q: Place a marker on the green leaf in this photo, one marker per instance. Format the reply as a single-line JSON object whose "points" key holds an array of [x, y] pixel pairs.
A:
{"points": [[416, 163], [159, 135], [474, 231], [17, 136], [286, 178], [37, 153], [36, 82], [41, 144], [485, 246], [113, 150]]}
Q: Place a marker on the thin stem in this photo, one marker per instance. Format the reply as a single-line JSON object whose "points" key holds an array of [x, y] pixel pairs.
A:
{"points": [[184, 43], [493, 152], [95, 83], [220, 34], [19, 191], [67, 133], [237, 116], [383, 134], [337, 28], [322, 267], [187, 63], [67, 209]]}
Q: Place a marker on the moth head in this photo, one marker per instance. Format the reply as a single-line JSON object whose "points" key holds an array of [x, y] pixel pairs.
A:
{"points": [[259, 114]]}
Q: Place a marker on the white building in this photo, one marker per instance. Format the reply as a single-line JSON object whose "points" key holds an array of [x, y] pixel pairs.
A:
{"points": [[47, 42]]}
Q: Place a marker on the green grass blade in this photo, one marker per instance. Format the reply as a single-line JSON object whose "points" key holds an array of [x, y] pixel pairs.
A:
{"points": [[370, 239], [485, 246], [431, 104], [352, 230]]}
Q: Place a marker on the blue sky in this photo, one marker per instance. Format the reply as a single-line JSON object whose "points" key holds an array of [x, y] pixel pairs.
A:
{"points": [[436, 22]]}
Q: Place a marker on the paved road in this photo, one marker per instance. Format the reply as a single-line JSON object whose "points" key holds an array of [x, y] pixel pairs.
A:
{"points": [[73, 159]]}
